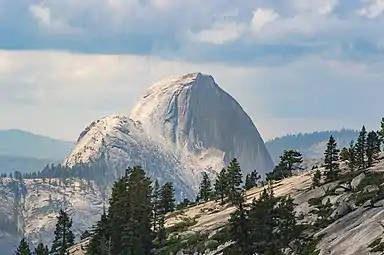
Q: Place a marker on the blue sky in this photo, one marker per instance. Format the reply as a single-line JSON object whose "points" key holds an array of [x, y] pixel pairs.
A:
{"points": [[294, 65]]}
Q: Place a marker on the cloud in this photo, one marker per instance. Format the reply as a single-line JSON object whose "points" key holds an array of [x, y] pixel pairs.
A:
{"points": [[60, 93], [262, 17], [373, 9], [174, 29]]}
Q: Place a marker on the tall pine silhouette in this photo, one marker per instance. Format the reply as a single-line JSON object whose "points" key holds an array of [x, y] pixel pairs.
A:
{"points": [[64, 237], [331, 158], [130, 214], [360, 149], [205, 191], [23, 248]]}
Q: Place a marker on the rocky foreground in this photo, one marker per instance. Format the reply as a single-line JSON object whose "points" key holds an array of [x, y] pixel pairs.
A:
{"points": [[353, 207]]}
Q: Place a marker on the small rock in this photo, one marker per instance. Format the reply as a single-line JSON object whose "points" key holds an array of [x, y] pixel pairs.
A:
{"points": [[342, 210], [339, 191], [371, 188], [357, 180]]}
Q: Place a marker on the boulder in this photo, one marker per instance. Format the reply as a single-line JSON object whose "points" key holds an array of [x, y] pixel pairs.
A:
{"points": [[342, 210], [357, 180], [371, 188]]}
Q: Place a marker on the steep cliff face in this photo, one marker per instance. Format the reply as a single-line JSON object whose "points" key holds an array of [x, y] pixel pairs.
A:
{"points": [[195, 117]]}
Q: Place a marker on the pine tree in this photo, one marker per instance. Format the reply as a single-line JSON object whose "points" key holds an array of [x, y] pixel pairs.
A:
{"points": [[130, 214], [100, 235], [64, 237], [344, 154], [251, 180], [373, 147], [221, 185], [205, 191], [351, 157], [331, 157], [290, 160], [23, 248], [41, 249], [234, 180], [167, 200], [316, 179], [361, 145]]}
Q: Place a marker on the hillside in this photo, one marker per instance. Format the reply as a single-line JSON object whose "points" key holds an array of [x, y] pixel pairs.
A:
{"points": [[311, 145], [25, 144], [354, 222], [9, 164]]}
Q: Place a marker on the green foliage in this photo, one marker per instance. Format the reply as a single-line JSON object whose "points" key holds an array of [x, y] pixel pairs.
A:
{"points": [[41, 249], [351, 156], [100, 241], [289, 161], [251, 180], [373, 147], [130, 214], [360, 149], [23, 248], [316, 179], [205, 191], [64, 237], [331, 157], [344, 154], [234, 180], [221, 185], [267, 227], [167, 198]]}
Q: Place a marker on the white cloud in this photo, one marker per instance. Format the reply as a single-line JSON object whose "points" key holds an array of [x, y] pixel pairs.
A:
{"points": [[58, 94], [219, 33], [323, 7], [373, 8], [262, 17]]}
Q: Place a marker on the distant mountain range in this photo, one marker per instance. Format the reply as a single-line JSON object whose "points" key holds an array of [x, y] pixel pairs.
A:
{"points": [[27, 152], [311, 145]]}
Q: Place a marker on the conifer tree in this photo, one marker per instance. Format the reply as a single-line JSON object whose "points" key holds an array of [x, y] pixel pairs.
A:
{"points": [[351, 157], [205, 191], [41, 249], [23, 248], [290, 160], [64, 237], [373, 147], [100, 236], [316, 179], [344, 154], [234, 180], [360, 149], [251, 180], [130, 214], [331, 157], [167, 200], [221, 185]]}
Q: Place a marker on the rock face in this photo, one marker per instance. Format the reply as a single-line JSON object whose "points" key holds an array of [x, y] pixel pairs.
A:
{"points": [[195, 116], [180, 127]]}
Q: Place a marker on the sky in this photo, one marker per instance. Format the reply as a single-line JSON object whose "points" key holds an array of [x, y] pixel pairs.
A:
{"points": [[294, 65]]}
